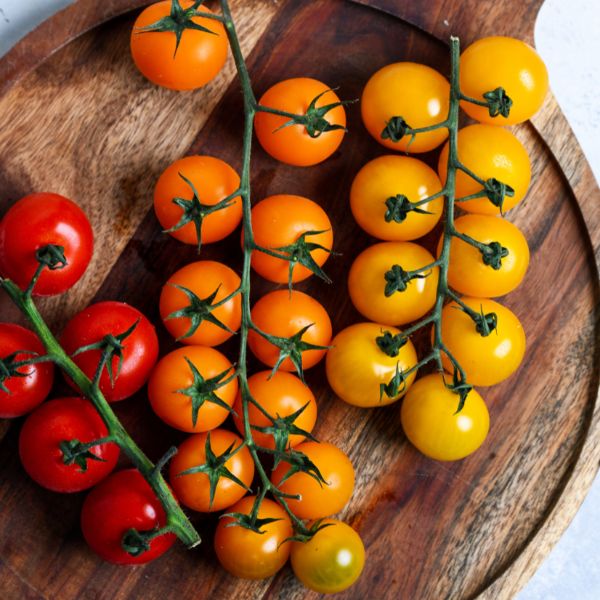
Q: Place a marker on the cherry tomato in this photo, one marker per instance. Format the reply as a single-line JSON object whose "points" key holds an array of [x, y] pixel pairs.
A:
{"points": [[278, 222], [497, 61], [281, 395], [433, 426], [192, 63], [381, 193], [487, 355], [491, 153], [193, 490], [58, 422], [213, 180], [417, 93], [122, 502], [203, 279], [248, 554], [367, 283], [36, 221], [332, 560], [293, 144], [467, 272], [284, 314], [32, 385], [139, 348], [318, 498], [174, 389], [357, 366]]}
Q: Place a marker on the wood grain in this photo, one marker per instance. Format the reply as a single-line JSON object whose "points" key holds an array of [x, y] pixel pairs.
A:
{"points": [[432, 530]]}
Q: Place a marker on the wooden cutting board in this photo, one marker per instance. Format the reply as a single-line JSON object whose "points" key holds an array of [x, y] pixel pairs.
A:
{"points": [[76, 118]]}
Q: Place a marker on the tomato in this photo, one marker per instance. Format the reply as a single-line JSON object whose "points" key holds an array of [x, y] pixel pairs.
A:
{"points": [[248, 554], [175, 391], [203, 279], [332, 560], [60, 421], [281, 395], [417, 93], [194, 489], [318, 498], [382, 192], [122, 502], [357, 366], [139, 350], [367, 283], [467, 272], [185, 65], [498, 61], [293, 144], [33, 383], [279, 221], [486, 359], [284, 314], [213, 180], [491, 153], [36, 221], [433, 426]]}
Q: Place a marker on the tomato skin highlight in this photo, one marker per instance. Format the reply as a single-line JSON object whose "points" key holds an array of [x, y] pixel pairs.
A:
{"points": [[29, 391], [332, 560], [293, 145], [198, 60], [278, 221], [122, 502], [356, 366], [515, 66], [318, 501], [63, 420], [214, 180], [433, 426], [252, 555], [140, 350], [415, 92], [36, 221]]}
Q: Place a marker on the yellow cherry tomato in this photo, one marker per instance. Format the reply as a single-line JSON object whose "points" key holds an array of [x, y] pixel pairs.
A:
{"points": [[332, 560], [382, 188], [433, 426], [508, 63], [468, 274], [490, 153], [357, 366], [417, 93], [487, 353], [368, 280]]}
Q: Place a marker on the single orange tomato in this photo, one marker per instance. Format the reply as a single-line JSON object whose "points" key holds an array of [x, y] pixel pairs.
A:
{"points": [[203, 279]]}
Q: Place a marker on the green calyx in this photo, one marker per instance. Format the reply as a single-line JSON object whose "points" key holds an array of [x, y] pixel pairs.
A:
{"points": [[395, 386], [395, 129], [136, 542], [51, 256], [390, 343], [460, 387], [251, 521], [485, 323], [397, 279], [300, 463], [78, 453], [177, 22], [9, 367], [496, 192], [399, 206], [203, 390], [304, 534], [493, 253], [498, 102]]}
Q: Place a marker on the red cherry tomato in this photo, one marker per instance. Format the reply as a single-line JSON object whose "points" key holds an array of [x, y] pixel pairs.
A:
{"points": [[122, 502], [61, 421], [140, 348], [33, 384], [34, 222]]}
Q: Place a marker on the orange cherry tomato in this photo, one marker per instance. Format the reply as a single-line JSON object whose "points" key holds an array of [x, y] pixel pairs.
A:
{"points": [[281, 395], [293, 144], [198, 58], [283, 315], [279, 221], [318, 499], [193, 490], [176, 392], [202, 278], [213, 180]]}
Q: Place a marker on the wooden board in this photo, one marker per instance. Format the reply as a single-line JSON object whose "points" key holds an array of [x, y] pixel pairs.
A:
{"points": [[82, 122]]}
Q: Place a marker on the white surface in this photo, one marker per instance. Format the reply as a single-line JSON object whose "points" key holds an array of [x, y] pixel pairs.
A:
{"points": [[567, 38]]}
